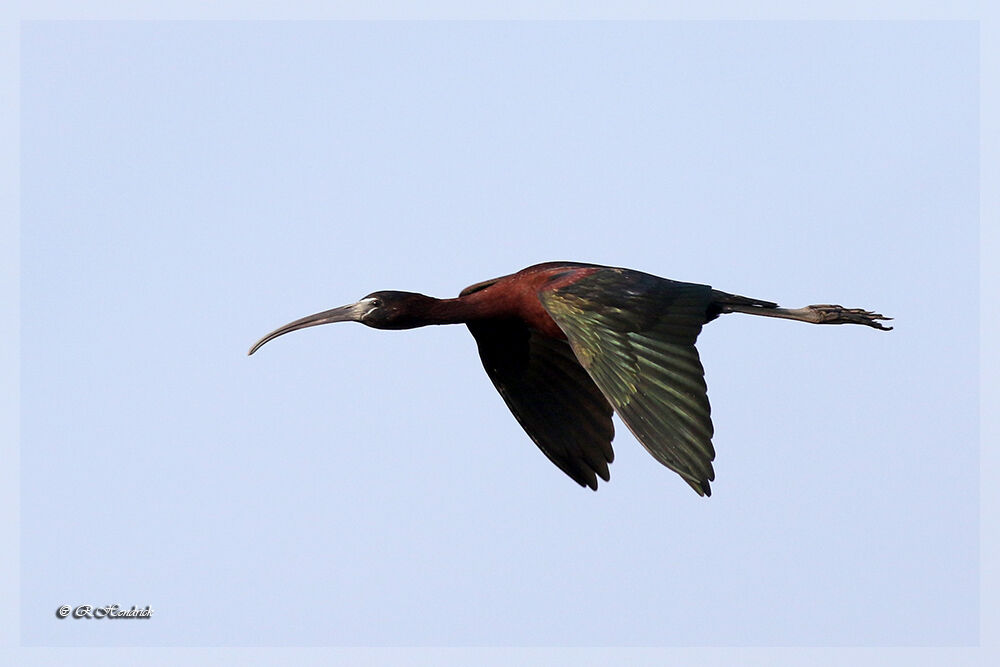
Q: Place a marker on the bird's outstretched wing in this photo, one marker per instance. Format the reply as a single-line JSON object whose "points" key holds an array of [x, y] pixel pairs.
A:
{"points": [[634, 333], [551, 396]]}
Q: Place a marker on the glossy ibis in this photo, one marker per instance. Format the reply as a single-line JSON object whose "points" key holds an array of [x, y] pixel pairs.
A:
{"points": [[567, 344]]}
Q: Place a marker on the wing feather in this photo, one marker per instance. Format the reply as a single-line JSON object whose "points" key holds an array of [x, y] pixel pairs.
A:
{"points": [[634, 334], [551, 396]]}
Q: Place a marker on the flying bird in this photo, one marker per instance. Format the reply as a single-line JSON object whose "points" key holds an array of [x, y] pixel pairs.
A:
{"points": [[568, 344]]}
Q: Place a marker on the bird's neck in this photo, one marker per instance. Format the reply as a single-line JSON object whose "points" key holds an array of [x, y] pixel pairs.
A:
{"points": [[464, 309], [483, 306]]}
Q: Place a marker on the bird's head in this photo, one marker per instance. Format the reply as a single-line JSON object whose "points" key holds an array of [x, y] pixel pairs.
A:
{"points": [[381, 310]]}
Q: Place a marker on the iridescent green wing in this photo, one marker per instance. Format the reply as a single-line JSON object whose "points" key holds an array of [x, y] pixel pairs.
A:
{"points": [[551, 395], [634, 333]]}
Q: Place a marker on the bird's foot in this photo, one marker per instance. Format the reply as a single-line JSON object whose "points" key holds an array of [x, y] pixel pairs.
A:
{"points": [[831, 314]]}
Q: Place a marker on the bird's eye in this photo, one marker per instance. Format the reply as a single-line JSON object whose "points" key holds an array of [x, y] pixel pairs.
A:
{"points": [[376, 303]]}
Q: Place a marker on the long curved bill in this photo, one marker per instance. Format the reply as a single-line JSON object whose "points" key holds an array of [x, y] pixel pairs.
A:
{"points": [[342, 314]]}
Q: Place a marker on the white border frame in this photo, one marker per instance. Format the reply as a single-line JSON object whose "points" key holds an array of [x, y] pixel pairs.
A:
{"points": [[986, 13]]}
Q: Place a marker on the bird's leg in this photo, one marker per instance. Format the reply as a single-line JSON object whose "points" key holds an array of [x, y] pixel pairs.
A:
{"points": [[816, 314]]}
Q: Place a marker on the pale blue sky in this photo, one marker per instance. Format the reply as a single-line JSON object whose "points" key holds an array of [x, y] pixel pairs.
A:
{"points": [[187, 187]]}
